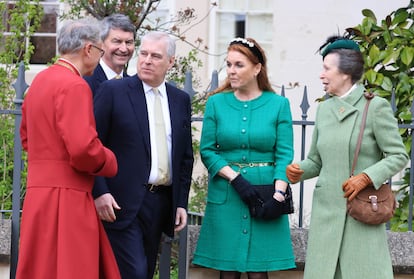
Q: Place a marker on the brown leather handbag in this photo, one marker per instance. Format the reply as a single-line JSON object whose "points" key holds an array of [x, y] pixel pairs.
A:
{"points": [[371, 206]]}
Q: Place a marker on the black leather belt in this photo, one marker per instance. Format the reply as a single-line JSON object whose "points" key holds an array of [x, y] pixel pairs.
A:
{"points": [[157, 188]]}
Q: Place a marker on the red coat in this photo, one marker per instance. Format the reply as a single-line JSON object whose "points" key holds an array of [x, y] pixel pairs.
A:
{"points": [[61, 234]]}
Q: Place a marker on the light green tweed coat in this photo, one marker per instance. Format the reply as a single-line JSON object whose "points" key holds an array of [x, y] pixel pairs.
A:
{"points": [[338, 245], [259, 130]]}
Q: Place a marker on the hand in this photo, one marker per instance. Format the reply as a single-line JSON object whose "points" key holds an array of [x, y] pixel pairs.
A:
{"points": [[105, 206], [246, 192], [180, 219], [271, 209], [279, 196], [294, 173], [244, 188], [353, 185]]}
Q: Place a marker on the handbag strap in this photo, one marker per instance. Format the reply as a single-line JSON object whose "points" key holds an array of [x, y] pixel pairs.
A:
{"points": [[368, 96]]}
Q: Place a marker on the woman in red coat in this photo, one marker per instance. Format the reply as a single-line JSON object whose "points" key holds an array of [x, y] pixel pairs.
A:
{"points": [[61, 234]]}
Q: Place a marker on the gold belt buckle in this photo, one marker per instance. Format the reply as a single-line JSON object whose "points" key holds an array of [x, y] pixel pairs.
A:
{"points": [[252, 164]]}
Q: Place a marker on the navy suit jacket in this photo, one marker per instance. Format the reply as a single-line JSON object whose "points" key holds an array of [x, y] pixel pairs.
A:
{"points": [[122, 124], [97, 78]]}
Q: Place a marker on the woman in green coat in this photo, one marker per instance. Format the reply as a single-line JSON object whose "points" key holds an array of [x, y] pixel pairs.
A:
{"points": [[246, 140], [338, 245]]}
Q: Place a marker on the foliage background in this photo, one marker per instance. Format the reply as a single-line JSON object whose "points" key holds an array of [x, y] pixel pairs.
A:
{"points": [[388, 49], [23, 19]]}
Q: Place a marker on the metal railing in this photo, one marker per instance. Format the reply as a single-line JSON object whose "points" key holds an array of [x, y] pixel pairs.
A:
{"points": [[170, 247]]}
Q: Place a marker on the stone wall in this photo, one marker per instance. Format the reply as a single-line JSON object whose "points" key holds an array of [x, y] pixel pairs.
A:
{"points": [[401, 246], [5, 235]]}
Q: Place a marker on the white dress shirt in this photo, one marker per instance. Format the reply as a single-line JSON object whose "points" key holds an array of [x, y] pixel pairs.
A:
{"points": [[110, 74], [150, 97]]}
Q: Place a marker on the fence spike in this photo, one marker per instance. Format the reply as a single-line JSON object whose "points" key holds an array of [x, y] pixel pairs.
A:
{"points": [[20, 86], [214, 81], [305, 104], [188, 84]]}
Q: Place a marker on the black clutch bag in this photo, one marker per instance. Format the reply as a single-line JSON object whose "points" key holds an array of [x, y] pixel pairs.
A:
{"points": [[266, 193]]}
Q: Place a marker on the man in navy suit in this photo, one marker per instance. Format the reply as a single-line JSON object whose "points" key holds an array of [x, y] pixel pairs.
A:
{"points": [[137, 205], [118, 37]]}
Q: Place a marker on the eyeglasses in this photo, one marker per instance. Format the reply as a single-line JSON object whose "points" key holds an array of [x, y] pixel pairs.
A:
{"points": [[100, 50]]}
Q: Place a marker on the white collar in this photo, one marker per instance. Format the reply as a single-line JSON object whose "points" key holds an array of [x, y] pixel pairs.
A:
{"points": [[161, 88], [110, 74], [349, 91]]}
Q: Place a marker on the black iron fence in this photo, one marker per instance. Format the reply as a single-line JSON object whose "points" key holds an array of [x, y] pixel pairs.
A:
{"points": [[170, 247]]}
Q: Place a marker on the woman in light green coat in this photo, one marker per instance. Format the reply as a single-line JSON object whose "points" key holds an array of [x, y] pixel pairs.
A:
{"points": [[339, 247]]}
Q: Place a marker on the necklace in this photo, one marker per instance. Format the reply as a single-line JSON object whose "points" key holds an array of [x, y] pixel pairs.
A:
{"points": [[67, 65]]}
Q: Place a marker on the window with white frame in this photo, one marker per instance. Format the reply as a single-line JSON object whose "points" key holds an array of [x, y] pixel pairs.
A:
{"points": [[242, 18], [44, 38]]}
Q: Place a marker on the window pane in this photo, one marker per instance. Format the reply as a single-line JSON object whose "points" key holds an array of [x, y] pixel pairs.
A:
{"points": [[45, 45], [224, 25], [230, 26], [48, 23], [260, 27], [240, 26], [242, 18], [263, 5], [6, 17], [45, 49], [235, 5]]}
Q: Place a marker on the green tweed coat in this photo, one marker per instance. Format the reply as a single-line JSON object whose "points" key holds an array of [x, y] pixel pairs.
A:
{"points": [[338, 244], [259, 130]]}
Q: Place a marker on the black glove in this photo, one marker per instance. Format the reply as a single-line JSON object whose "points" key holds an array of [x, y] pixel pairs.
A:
{"points": [[247, 193], [269, 210]]}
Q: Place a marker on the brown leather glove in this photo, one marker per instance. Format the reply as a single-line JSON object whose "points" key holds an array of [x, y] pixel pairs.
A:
{"points": [[294, 173], [353, 185]]}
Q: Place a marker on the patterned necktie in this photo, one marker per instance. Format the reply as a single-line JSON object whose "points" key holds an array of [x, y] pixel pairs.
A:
{"points": [[161, 140], [117, 77]]}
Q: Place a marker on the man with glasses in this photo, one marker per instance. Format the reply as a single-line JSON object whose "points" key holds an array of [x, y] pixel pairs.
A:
{"points": [[61, 233], [118, 37], [100, 50]]}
